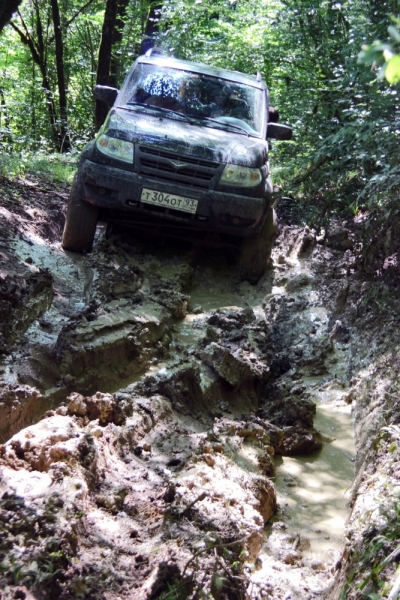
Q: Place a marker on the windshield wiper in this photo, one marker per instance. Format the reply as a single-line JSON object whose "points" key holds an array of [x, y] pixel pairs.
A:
{"points": [[228, 124], [161, 109]]}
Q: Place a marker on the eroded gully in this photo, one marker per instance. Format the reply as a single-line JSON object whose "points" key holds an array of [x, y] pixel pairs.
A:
{"points": [[284, 320], [313, 491]]}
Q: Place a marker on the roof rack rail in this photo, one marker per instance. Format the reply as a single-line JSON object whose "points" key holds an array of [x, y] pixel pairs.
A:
{"points": [[156, 51], [258, 76]]}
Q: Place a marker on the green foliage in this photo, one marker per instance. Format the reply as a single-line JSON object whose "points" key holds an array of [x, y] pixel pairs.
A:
{"points": [[227, 34], [175, 591], [384, 54], [36, 573], [54, 167]]}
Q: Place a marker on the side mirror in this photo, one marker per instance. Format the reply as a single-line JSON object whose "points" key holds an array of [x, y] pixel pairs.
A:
{"points": [[276, 131], [103, 93]]}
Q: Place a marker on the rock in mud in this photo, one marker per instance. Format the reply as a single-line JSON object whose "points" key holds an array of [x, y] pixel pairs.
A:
{"points": [[285, 408], [23, 298], [298, 282], [264, 491], [120, 283], [175, 302], [300, 441], [307, 241], [339, 238], [19, 404], [37, 447], [340, 298], [119, 340], [237, 366], [100, 406]]}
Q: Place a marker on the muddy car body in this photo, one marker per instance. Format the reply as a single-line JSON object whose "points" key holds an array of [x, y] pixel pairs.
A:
{"points": [[184, 148]]}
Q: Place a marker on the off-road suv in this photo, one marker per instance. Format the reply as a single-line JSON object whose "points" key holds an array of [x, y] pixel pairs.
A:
{"points": [[184, 149]]}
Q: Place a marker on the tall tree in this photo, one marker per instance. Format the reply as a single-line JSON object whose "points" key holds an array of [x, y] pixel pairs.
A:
{"points": [[105, 51], [117, 38], [64, 144]]}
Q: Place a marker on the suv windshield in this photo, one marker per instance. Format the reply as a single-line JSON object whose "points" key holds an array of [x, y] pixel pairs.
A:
{"points": [[220, 102]]}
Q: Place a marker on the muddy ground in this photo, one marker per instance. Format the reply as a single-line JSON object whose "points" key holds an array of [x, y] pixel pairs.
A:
{"points": [[150, 400]]}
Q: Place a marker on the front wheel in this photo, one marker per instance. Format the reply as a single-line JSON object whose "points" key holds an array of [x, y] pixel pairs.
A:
{"points": [[80, 224], [255, 252]]}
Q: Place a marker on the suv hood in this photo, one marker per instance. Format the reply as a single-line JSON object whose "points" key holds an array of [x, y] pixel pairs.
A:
{"points": [[181, 136]]}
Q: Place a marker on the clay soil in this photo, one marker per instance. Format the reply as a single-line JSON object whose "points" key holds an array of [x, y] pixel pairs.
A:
{"points": [[148, 398]]}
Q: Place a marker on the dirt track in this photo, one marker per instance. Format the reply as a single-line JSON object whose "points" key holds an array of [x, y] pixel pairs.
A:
{"points": [[172, 389]]}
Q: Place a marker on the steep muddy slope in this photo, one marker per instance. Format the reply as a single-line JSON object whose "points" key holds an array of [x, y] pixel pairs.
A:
{"points": [[176, 400]]}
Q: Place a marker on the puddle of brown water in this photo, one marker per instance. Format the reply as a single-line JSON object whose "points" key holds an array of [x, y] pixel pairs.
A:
{"points": [[215, 298], [313, 491]]}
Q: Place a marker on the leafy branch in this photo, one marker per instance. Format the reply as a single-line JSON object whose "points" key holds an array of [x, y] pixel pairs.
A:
{"points": [[385, 54]]}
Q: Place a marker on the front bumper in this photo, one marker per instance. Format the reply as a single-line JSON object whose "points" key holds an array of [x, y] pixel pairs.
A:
{"points": [[117, 190]]}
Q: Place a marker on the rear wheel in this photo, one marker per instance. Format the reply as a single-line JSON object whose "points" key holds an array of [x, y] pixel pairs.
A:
{"points": [[80, 224], [255, 252]]}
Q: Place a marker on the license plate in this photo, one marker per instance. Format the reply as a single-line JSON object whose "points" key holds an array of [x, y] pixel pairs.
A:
{"points": [[188, 205]]}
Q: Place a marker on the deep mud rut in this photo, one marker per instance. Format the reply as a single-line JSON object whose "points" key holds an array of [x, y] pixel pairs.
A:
{"points": [[182, 454]]}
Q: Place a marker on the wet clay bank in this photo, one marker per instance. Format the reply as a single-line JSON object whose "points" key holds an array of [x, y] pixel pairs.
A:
{"points": [[163, 486]]}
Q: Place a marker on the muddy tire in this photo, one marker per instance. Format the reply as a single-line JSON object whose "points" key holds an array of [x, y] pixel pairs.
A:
{"points": [[255, 252], [80, 224]]}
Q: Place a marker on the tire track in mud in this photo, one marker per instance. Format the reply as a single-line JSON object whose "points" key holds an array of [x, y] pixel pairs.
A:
{"points": [[165, 485]]}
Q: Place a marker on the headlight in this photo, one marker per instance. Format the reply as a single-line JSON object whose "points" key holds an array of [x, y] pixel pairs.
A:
{"points": [[244, 176], [115, 148]]}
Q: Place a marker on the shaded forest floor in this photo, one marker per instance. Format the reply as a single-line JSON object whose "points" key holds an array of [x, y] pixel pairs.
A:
{"points": [[172, 395]]}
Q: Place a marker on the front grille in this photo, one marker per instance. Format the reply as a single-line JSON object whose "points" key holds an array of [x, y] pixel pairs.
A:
{"points": [[194, 172]]}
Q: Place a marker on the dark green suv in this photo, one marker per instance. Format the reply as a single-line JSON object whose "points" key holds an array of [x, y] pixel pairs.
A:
{"points": [[183, 150]]}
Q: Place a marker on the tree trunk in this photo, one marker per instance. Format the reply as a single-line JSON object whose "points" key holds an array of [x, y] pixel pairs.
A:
{"points": [[151, 27], [64, 141], [117, 37], [104, 64], [7, 8], [152, 20]]}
